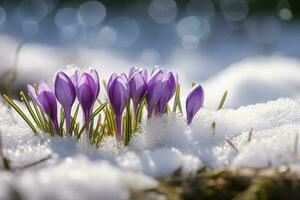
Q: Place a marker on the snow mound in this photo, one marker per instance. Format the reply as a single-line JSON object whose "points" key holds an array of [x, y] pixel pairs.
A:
{"points": [[165, 145], [80, 178], [254, 80]]}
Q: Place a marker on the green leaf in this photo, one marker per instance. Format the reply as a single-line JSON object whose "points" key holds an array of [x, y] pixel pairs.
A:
{"points": [[177, 101], [128, 125], [73, 120], [139, 114], [110, 120], [98, 124], [97, 111], [222, 100], [45, 121], [76, 129], [50, 124], [91, 130], [102, 133], [39, 115], [28, 106], [20, 112], [61, 123], [193, 83]]}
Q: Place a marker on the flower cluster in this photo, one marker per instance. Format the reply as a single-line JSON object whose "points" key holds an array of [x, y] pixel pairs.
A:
{"points": [[150, 92]]}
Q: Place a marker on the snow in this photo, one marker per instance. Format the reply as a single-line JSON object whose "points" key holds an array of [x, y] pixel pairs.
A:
{"points": [[254, 80], [164, 145]]}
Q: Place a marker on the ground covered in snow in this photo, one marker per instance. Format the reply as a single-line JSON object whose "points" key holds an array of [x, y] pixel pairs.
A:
{"points": [[165, 145]]}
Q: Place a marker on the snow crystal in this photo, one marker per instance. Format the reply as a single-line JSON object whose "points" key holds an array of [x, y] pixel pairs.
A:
{"points": [[80, 178], [159, 162], [164, 145]]}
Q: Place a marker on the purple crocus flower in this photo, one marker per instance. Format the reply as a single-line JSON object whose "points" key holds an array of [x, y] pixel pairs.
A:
{"points": [[46, 100], [168, 87], [154, 90], [194, 102], [118, 94], [142, 71], [87, 89], [65, 94], [137, 87]]}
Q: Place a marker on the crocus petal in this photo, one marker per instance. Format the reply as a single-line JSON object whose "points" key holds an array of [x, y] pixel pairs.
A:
{"points": [[65, 94], [124, 77], [144, 73], [112, 77], [43, 87], [33, 95], [64, 90], [118, 94], [132, 71], [168, 88], [194, 102], [154, 70], [137, 85], [76, 77], [154, 89], [48, 103], [95, 76], [86, 91]]}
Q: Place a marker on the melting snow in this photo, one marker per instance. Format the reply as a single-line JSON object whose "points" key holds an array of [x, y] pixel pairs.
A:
{"points": [[164, 145]]}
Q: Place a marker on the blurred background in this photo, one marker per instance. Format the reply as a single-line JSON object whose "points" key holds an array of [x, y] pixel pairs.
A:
{"points": [[249, 47]]}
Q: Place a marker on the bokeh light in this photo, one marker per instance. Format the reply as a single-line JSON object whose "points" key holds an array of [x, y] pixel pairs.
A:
{"points": [[193, 27], [30, 27], [127, 30], [234, 10], [106, 37], [263, 30], [34, 10], [91, 13], [202, 8], [66, 17], [2, 15], [285, 14], [162, 11]]}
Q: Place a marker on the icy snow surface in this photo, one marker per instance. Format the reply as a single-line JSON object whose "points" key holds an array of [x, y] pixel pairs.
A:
{"points": [[254, 80], [164, 145]]}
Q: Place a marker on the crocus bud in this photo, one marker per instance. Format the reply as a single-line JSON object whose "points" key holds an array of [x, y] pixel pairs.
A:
{"points": [[65, 94], [118, 94], [87, 89], [112, 77], [142, 71], [168, 87], [137, 86], [154, 90], [46, 100], [194, 102]]}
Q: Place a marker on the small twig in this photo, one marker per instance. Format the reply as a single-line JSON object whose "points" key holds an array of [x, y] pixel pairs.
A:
{"points": [[8, 79], [33, 163], [232, 145], [6, 161], [250, 134], [213, 126]]}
